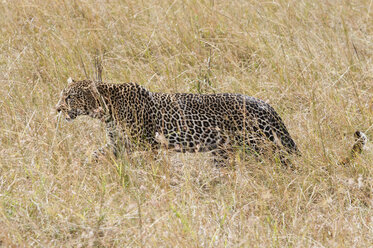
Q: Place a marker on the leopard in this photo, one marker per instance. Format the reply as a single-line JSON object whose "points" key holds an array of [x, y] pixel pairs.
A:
{"points": [[136, 118]]}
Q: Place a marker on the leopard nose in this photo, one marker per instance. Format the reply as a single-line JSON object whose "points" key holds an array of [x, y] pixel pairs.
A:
{"points": [[58, 108]]}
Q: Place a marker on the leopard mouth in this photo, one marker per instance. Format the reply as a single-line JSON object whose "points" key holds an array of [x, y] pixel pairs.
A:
{"points": [[70, 115]]}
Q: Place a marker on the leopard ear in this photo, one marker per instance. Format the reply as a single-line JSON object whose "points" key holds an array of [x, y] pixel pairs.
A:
{"points": [[70, 80]]}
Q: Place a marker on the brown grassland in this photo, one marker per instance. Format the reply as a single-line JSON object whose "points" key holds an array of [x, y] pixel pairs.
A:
{"points": [[312, 60]]}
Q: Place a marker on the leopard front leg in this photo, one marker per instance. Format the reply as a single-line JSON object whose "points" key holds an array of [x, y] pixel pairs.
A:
{"points": [[102, 151], [111, 147], [118, 144], [112, 134]]}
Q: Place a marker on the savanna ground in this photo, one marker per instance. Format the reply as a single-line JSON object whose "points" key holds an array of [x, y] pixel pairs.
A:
{"points": [[311, 60]]}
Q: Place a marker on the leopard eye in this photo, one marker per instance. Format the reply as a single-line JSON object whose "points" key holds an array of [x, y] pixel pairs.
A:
{"points": [[71, 95], [69, 99]]}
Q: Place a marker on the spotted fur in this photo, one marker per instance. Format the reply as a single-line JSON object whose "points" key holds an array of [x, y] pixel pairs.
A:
{"points": [[136, 117]]}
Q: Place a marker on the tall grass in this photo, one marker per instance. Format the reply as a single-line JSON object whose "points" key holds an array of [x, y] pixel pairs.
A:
{"points": [[311, 60]]}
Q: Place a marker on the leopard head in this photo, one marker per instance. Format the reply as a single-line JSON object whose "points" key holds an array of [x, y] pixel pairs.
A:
{"points": [[79, 98]]}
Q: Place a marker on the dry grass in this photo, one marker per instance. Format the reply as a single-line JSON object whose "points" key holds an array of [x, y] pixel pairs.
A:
{"points": [[312, 60]]}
